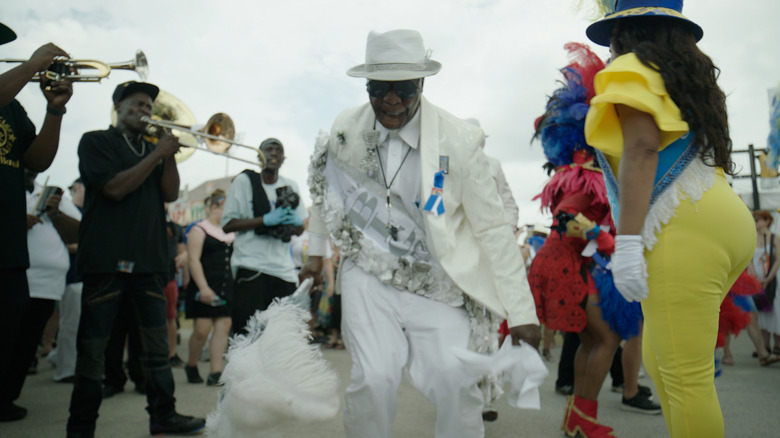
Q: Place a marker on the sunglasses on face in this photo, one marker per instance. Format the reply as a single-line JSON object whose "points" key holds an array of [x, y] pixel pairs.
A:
{"points": [[404, 89]]}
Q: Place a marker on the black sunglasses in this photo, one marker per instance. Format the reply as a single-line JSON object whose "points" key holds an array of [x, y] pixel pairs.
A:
{"points": [[404, 89]]}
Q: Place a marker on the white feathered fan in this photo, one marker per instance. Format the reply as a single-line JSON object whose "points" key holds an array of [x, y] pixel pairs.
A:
{"points": [[273, 375]]}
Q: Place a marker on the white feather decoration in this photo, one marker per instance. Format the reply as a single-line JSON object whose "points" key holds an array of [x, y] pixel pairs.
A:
{"points": [[273, 375]]}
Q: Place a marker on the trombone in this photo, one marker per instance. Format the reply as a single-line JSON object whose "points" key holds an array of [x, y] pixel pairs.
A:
{"points": [[61, 68], [217, 135]]}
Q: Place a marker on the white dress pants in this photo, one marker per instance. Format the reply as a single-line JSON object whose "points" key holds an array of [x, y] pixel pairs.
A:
{"points": [[64, 355], [386, 331]]}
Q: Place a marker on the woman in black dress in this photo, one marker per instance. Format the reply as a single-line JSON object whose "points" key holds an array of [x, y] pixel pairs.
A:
{"points": [[209, 292]]}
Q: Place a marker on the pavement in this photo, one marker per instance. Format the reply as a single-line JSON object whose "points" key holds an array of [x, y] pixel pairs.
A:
{"points": [[749, 395]]}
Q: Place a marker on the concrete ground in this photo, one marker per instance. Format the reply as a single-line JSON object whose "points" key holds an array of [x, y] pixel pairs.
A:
{"points": [[749, 396]]}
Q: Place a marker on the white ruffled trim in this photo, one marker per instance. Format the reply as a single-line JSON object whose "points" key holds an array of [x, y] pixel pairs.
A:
{"points": [[696, 179]]}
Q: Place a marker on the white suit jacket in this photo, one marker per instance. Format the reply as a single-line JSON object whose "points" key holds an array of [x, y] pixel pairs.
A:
{"points": [[470, 240]]}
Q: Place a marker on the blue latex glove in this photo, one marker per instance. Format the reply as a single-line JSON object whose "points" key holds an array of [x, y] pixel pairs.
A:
{"points": [[274, 217], [292, 218]]}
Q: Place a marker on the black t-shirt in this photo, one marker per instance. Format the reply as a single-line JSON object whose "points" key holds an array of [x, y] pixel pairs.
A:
{"points": [[130, 231], [17, 133]]}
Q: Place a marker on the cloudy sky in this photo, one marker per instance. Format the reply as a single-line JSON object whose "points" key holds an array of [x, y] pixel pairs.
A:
{"points": [[278, 68]]}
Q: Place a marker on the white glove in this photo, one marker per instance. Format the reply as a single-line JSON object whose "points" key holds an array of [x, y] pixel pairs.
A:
{"points": [[629, 269]]}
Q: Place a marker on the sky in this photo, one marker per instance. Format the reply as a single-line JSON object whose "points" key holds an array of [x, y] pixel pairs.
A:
{"points": [[278, 68]]}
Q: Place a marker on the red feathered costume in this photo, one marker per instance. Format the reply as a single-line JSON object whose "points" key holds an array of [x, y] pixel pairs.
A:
{"points": [[559, 276]]}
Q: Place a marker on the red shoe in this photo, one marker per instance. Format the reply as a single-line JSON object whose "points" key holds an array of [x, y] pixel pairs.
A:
{"points": [[582, 420]]}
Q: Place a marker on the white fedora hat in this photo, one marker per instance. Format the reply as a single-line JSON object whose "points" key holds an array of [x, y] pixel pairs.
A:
{"points": [[396, 55]]}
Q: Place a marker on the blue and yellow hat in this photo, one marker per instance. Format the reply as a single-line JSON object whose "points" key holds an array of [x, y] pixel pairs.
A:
{"points": [[600, 32]]}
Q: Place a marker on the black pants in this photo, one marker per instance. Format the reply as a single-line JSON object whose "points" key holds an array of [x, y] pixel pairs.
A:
{"points": [[335, 312], [100, 303], [24, 349], [571, 342], [15, 296], [123, 330], [253, 291]]}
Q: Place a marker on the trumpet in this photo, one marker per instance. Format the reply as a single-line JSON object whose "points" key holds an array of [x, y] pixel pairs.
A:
{"points": [[62, 67], [217, 135]]}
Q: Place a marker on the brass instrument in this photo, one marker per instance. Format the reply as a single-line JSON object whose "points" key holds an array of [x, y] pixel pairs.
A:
{"points": [[170, 113], [61, 68]]}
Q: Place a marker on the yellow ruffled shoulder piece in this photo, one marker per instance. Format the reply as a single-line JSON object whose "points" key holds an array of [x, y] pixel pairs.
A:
{"points": [[629, 82]]}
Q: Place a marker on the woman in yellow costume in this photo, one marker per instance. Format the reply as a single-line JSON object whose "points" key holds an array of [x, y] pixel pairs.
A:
{"points": [[659, 123]]}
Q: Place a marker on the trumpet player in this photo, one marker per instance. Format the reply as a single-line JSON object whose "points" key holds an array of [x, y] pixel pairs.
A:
{"points": [[20, 148], [122, 253]]}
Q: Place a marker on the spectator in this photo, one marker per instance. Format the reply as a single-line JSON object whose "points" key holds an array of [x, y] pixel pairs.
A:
{"points": [[63, 356], [209, 294], [51, 222], [177, 253], [261, 262]]}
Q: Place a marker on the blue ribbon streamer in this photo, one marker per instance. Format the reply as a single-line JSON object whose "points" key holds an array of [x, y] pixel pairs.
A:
{"points": [[435, 204]]}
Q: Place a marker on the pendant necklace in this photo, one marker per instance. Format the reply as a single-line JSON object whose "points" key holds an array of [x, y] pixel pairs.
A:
{"points": [[132, 148], [393, 229]]}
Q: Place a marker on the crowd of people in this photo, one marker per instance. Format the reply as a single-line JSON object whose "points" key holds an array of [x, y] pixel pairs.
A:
{"points": [[414, 230]]}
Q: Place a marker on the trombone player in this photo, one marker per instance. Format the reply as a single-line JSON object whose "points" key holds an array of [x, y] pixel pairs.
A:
{"points": [[122, 252], [20, 148]]}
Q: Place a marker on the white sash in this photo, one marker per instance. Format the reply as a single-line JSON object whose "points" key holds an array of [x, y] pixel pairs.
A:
{"points": [[358, 224], [365, 208]]}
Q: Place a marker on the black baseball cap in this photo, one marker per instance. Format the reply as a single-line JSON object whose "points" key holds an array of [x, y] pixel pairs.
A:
{"points": [[269, 141], [6, 34], [132, 87]]}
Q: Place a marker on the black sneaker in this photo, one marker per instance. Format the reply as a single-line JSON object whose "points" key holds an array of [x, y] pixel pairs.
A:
{"points": [[642, 389], [177, 425], [193, 376], [490, 415], [564, 389], [213, 379], [12, 412], [641, 403], [176, 361]]}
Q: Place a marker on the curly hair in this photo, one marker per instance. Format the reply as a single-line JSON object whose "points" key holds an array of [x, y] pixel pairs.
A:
{"points": [[667, 46]]}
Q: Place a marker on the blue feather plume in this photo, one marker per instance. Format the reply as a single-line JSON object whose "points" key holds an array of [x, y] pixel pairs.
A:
{"points": [[743, 302], [773, 142], [623, 317]]}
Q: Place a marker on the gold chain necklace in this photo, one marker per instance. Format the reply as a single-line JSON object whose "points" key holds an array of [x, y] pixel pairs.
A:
{"points": [[132, 148]]}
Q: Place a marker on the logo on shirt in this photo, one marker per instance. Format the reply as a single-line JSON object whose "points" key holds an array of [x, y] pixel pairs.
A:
{"points": [[7, 139]]}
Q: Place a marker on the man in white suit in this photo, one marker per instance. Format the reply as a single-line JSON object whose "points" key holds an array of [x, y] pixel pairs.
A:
{"points": [[429, 266]]}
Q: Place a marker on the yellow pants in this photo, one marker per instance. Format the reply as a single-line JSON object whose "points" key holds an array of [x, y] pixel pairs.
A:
{"points": [[699, 255]]}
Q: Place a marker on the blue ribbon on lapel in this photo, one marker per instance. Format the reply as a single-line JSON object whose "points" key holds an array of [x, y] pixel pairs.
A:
{"points": [[435, 204]]}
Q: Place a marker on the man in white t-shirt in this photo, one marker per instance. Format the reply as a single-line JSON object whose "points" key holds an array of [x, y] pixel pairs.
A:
{"points": [[261, 262], [51, 223]]}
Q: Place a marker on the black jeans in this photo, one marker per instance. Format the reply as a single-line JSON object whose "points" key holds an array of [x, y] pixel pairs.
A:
{"points": [[125, 329], [254, 291], [100, 303], [16, 301], [33, 321]]}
